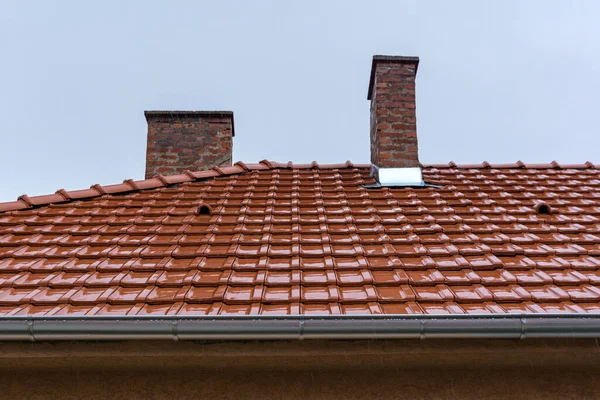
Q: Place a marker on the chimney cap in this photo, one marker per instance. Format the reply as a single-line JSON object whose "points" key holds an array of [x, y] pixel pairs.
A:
{"points": [[389, 60], [170, 116]]}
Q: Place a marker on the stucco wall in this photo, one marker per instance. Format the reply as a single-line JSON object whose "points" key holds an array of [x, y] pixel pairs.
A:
{"points": [[300, 370]]}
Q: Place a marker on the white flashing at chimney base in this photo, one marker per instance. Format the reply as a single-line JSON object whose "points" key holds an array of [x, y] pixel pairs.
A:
{"points": [[398, 176]]}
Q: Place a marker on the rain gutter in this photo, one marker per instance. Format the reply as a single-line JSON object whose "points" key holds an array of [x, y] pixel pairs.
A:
{"points": [[298, 327]]}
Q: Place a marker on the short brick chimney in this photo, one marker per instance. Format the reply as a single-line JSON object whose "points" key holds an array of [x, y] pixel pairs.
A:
{"points": [[394, 150], [188, 140]]}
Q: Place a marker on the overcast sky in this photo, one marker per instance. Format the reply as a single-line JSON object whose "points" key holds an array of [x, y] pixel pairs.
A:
{"points": [[498, 80]]}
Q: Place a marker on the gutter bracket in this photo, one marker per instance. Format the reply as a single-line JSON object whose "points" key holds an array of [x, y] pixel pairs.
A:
{"points": [[30, 328], [301, 329], [175, 330], [523, 328]]}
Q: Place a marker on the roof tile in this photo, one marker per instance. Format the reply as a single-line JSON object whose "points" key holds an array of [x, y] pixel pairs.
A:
{"points": [[286, 239]]}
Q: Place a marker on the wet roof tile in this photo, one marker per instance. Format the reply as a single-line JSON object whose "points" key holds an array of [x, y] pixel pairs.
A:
{"points": [[287, 239]]}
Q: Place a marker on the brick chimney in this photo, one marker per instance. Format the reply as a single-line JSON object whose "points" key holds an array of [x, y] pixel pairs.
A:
{"points": [[188, 140], [394, 150]]}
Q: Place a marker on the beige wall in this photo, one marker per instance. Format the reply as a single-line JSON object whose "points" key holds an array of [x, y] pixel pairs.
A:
{"points": [[430, 369]]}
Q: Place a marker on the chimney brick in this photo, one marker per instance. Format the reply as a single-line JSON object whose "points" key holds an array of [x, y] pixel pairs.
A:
{"points": [[188, 140], [393, 114]]}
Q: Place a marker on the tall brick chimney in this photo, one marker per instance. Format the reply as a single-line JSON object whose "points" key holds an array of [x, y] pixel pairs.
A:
{"points": [[188, 140], [394, 150]]}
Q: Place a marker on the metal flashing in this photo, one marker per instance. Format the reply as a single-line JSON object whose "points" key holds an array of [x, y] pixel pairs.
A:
{"points": [[397, 177]]}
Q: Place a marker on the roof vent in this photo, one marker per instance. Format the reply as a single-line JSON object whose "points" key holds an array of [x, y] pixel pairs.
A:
{"points": [[543, 209], [204, 210]]}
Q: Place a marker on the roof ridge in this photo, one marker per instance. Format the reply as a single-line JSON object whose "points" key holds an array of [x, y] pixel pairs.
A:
{"points": [[24, 201], [516, 165], [130, 185]]}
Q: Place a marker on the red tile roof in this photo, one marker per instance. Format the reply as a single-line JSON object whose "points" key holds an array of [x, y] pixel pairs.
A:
{"points": [[309, 239]]}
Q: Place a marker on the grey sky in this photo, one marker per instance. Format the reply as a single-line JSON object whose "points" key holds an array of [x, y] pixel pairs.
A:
{"points": [[498, 81]]}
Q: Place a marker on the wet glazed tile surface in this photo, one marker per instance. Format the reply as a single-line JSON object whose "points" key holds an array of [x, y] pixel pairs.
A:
{"points": [[309, 239]]}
